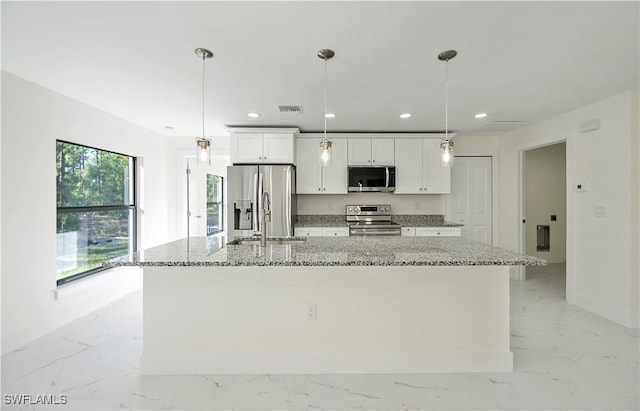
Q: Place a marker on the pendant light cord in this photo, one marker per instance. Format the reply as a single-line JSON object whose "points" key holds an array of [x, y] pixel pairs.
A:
{"points": [[446, 102], [325, 99], [203, 64]]}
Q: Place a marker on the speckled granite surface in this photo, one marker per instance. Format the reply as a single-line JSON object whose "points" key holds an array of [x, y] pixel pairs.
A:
{"points": [[321, 221], [328, 251], [429, 220]]}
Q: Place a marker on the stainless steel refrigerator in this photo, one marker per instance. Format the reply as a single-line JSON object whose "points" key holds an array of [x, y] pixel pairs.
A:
{"points": [[245, 186]]}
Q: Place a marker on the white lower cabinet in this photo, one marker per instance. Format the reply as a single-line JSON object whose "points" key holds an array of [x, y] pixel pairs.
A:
{"points": [[437, 231], [321, 232], [408, 231], [307, 231]]}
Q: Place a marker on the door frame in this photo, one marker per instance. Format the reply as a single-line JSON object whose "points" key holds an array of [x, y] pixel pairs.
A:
{"points": [[519, 273]]}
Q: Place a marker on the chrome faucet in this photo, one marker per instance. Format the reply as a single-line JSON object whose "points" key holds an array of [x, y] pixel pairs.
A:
{"points": [[266, 216]]}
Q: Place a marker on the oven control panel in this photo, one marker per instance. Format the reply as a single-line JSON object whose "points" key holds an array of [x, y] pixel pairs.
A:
{"points": [[361, 209]]}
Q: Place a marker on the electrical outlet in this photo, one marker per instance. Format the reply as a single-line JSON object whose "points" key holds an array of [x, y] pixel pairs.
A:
{"points": [[312, 311]]}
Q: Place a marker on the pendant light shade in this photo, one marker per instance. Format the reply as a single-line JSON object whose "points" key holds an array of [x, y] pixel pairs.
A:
{"points": [[325, 144], [204, 150], [203, 144], [446, 151], [446, 146], [325, 152]]}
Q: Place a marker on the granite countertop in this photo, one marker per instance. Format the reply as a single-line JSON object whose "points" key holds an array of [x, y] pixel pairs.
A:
{"points": [[327, 251], [428, 220]]}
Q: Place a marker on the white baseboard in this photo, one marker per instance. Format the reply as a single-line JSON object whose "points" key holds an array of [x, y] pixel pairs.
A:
{"points": [[384, 363]]}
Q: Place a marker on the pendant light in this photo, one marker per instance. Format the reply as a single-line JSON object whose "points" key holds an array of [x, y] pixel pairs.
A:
{"points": [[446, 147], [203, 144], [325, 144]]}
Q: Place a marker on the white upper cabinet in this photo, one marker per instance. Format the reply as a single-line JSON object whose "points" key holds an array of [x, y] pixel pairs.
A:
{"points": [[418, 169], [278, 148], [371, 152], [408, 166], [437, 179], [311, 177], [267, 148], [246, 148]]}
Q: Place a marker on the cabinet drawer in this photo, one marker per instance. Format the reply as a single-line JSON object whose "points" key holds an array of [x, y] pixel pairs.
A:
{"points": [[438, 231], [335, 231], [408, 231], [308, 231]]}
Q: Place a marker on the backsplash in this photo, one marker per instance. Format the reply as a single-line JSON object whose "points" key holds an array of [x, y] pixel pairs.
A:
{"points": [[405, 204]]}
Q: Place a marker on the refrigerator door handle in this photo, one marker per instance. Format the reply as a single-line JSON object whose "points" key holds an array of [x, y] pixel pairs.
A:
{"points": [[256, 199]]}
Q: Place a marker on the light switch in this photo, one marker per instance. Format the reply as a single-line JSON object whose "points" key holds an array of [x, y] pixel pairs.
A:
{"points": [[600, 211]]}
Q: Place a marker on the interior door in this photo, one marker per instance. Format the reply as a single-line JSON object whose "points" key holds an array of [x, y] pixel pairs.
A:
{"points": [[197, 198], [471, 193]]}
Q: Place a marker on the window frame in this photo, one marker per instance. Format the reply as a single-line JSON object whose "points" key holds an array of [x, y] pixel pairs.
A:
{"points": [[132, 208], [220, 203]]}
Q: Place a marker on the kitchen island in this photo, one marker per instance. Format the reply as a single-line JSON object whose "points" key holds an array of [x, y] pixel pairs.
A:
{"points": [[326, 305]]}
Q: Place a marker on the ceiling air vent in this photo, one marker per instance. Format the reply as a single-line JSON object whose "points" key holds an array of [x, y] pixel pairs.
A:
{"points": [[290, 109]]}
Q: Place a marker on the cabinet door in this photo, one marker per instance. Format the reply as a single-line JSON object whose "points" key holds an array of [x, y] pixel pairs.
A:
{"points": [[307, 231], [408, 162], [359, 152], [437, 179], [382, 151], [334, 177], [408, 232], [335, 231], [437, 231], [246, 148], [308, 170], [277, 148]]}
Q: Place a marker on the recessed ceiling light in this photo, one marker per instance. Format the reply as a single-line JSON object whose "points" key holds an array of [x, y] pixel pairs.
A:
{"points": [[405, 115], [253, 115], [480, 115], [330, 115]]}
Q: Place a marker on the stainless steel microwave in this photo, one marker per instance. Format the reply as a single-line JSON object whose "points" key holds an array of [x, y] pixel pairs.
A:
{"points": [[376, 179]]}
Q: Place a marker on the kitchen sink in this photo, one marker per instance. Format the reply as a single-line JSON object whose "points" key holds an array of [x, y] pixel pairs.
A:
{"points": [[270, 241]]}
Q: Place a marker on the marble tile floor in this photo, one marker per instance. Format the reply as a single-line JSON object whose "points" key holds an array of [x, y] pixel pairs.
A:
{"points": [[565, 359]]}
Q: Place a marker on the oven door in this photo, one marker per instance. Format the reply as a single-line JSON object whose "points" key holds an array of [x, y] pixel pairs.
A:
{"points": [[378, 179], [375, 229]]}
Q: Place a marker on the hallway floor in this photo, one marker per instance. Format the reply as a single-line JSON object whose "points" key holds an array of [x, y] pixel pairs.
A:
{"points": [[564, 358]]}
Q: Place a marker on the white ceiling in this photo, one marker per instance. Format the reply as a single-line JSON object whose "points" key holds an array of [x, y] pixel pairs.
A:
{"points": [[517, 61]]}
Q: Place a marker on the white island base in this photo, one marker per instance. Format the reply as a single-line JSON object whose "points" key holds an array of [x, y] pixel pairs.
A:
{"points": [[370, 319]]}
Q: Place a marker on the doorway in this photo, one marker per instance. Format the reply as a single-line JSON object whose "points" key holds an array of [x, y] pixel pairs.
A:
{"points": [[471, 192], [544, 209]]}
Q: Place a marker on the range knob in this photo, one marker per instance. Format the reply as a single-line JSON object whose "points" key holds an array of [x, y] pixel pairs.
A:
{"points": [[387, 208], [349, 209], [356, 209]]}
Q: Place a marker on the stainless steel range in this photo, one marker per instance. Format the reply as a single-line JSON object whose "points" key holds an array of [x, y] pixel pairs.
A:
{"points": [[371, 220]]}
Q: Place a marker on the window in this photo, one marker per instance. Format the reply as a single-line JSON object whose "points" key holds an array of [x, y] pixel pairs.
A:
{"points": [[96, 211], [215, 207]]}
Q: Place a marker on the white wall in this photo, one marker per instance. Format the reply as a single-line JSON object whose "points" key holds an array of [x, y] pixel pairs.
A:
{"points": [[602, 252], [33, 118], [545, 194]]}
